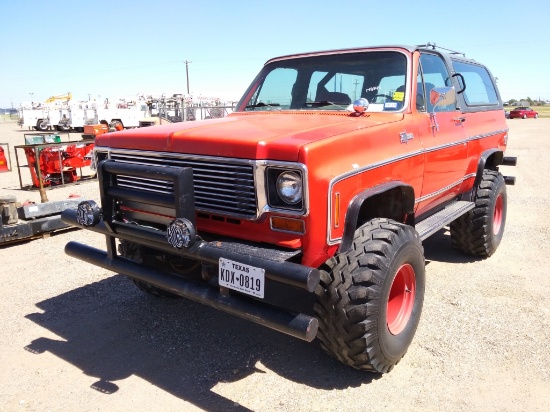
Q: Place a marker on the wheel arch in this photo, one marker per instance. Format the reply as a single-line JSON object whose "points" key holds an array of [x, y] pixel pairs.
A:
{"points": [[116, 124], [489, 159], [392, 200]]}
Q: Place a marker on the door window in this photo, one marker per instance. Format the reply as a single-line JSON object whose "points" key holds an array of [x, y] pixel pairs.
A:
{"points": [[435, 74]]}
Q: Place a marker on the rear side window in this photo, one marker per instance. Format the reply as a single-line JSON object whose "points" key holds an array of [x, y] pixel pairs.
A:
{"points": [[480, 90]]}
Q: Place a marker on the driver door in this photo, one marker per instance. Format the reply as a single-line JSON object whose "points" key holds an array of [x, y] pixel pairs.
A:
{"points": [[443, 137]]}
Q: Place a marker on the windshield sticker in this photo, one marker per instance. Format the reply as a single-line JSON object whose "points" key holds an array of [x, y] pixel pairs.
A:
{"points": [[390, 105], [399, 96], [372, 89]]}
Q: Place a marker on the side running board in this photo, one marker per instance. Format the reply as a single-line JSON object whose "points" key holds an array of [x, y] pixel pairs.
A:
{"points": [[432, 224]]}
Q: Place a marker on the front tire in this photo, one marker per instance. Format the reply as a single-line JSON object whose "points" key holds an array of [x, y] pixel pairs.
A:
{"points": [[370, 299], [479, 232], [134, 252]]}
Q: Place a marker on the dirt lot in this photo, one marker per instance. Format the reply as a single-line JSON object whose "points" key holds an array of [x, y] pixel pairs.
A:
{"points": [[76, 337]]}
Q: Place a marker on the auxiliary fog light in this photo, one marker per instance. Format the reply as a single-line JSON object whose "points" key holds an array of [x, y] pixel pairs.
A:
{"points": [[180, 233], [88, 213]]}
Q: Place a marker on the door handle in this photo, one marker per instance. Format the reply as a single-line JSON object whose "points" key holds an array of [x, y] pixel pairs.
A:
{"points": [[459, 119]]}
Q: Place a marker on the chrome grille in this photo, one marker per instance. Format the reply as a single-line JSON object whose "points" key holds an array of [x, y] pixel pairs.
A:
{"points": [[221, 187]]}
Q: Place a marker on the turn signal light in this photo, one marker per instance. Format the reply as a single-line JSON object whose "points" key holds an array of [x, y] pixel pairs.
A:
{"points": [[285, 224]]}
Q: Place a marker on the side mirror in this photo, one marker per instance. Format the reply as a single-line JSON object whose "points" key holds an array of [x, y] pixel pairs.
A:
{"points": [[442, 96]]}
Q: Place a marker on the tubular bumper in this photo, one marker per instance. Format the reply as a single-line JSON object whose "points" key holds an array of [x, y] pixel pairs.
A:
{"points": [[208, 252], [298, 325]]}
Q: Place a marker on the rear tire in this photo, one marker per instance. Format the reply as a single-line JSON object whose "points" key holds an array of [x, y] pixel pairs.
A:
{"points": [[370, 299], [41, 125], [479, 232]]}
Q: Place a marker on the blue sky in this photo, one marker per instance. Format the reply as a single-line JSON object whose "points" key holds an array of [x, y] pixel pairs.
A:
{"points": [[122, 48]]}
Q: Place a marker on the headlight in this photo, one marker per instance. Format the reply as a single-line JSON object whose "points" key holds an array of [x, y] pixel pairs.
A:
{"points": [[286, 188], [289, 187]]}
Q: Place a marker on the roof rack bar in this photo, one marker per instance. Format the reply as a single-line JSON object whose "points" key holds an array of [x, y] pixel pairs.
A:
{"points": [[434, 46]]}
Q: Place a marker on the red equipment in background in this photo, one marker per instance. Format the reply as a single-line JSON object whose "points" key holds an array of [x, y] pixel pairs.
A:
{"points": [[3, 161], [91, 131], [58, 163]]}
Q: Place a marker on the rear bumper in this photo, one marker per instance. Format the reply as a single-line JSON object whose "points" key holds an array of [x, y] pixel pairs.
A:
{"points": [[277, 268]]}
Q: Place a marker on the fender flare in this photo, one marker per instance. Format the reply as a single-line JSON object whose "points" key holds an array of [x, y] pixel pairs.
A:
{"points": [[482, 163], [354, 207]]}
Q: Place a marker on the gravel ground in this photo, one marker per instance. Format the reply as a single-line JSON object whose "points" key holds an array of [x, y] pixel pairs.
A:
{"points": [[76, 337]]}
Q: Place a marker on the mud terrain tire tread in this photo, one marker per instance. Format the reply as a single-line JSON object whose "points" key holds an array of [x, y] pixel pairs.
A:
{"points": [[472, 233], [353, 291]]}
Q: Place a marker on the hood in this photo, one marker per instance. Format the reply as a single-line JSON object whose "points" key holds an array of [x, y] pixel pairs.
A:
{"points": [[266, 135]]}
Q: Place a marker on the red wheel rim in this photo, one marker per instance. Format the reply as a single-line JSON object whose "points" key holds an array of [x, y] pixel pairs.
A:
{"points": [[401, 299], [497, 215]]}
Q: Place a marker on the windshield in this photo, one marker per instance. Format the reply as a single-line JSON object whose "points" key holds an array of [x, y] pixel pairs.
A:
{"points": [[330, 82]]}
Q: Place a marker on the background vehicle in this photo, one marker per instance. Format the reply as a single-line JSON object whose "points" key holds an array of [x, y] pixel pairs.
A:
{"points": [[301, 190], [75, 115], [523, 113]]}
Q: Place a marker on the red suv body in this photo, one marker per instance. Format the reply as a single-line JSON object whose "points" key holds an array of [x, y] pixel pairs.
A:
{"points": [[333, 168]]}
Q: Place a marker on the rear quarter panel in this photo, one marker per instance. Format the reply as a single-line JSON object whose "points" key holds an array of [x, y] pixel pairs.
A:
{"points": [[485, 130]]}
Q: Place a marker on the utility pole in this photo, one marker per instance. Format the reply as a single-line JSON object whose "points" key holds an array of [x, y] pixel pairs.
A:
{"points": [[356, 82], [187, 73]]}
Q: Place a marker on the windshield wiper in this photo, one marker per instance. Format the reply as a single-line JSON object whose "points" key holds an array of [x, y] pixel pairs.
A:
{"points": [[324, 103], [262, 104]]}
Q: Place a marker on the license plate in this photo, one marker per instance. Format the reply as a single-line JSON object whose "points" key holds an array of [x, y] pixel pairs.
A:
{"points": [[243, 278]]}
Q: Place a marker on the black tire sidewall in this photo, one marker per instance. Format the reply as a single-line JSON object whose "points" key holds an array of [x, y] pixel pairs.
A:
{"points": [[40, 127], [393, 347]]}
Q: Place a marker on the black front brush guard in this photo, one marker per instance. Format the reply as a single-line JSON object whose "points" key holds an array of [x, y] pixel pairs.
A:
{"points": [[298, 325]]}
